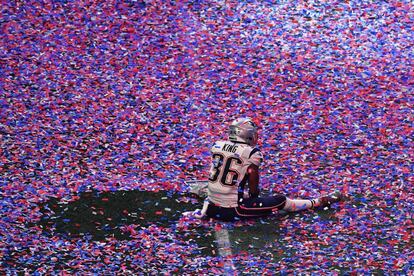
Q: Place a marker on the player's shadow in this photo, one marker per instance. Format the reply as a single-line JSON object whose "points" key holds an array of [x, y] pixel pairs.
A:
{"points": [[99, 215], [102, 214]]}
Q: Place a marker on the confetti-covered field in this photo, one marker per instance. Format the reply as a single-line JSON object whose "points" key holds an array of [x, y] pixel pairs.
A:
{"points": [[101, 100]]}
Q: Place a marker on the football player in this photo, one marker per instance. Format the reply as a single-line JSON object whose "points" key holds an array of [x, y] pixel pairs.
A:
{"points": [[233, 184]]}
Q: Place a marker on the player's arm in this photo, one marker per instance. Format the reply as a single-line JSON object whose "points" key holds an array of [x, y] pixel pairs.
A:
{"points": [[253, 179]]}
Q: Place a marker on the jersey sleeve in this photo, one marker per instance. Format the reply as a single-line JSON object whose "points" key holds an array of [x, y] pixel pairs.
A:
{"points": [[215, 147], [212, 148], [256, 157]]}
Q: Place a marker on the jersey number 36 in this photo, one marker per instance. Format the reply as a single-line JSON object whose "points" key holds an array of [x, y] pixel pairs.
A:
{"points": [[228, 174]]}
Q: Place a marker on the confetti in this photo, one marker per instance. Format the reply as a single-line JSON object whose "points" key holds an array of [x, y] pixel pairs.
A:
{"points": [[120, 96]]}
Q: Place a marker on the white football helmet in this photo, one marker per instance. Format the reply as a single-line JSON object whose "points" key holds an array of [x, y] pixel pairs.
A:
{"points": [[243, 130]]}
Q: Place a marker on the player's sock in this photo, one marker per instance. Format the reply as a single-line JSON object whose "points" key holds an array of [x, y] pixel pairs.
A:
{"points": [[293, 205]]}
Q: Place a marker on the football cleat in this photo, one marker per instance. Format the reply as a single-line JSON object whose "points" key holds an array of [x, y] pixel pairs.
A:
{"points": [[328, 200]]}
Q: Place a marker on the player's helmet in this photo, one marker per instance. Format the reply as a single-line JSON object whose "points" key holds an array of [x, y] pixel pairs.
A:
{"points": [[243, 130]]}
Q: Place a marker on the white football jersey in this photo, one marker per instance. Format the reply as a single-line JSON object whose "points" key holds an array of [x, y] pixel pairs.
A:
{"points": [[228, 172]]}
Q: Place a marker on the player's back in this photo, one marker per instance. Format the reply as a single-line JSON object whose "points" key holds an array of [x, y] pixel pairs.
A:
{"points": [[228, 170]]}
